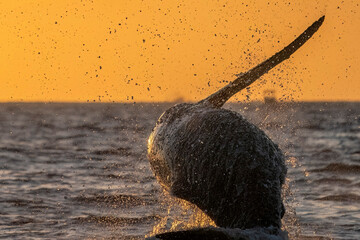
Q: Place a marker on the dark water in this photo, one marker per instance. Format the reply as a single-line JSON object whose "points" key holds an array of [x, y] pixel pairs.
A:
{"points": [[79, 171]]}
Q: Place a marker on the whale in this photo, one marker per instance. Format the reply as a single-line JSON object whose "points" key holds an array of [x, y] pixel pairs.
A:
{"points": [[214, 158]]}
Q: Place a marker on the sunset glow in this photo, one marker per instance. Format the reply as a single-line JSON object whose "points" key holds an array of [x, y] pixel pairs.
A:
{"points": [[133, 51]]}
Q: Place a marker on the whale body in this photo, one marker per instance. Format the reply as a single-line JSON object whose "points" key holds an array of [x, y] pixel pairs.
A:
{"points": [[217, 160]]}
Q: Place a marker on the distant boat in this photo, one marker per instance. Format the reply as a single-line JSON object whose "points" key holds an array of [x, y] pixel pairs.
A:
{"points": [[269, 97], [179, 100]]}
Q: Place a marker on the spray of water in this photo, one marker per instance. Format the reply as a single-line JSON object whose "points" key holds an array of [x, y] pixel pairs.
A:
{"points": [[180, 215]]}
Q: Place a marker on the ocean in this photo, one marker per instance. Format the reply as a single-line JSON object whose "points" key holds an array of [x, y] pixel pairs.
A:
{"points": [[79, 171]]}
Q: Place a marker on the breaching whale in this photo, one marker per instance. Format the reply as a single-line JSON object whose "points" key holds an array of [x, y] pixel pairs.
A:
{"points": [[217, 160]]}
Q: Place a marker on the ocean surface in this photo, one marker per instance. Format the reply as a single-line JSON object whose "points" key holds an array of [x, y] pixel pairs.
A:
{"points": [[79, 171]]}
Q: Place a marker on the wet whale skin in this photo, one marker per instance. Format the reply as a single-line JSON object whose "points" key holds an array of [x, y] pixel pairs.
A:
{"points": [[217, 160]]}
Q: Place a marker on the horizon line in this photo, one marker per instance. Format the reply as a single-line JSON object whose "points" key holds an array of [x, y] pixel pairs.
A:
{"points": [[175, 102]]}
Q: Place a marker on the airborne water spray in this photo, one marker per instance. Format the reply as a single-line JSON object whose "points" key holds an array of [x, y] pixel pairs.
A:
{"points": [[217, 160]]}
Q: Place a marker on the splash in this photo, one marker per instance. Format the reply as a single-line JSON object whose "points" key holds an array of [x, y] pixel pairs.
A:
{"points": [[181, 215], [290, 223]]}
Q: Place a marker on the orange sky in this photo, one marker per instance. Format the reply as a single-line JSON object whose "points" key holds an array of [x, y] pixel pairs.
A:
{"points": [[163, 50]]}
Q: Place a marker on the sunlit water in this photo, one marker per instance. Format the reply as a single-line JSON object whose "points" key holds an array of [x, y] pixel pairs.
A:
{"points": [[79, 171]]}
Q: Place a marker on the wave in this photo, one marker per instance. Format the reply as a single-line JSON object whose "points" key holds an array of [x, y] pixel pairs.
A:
{"points": [[118, 165], [133, 178], [12, 149], [22, 202], [356, 152], [71, 137], [93, 127], [341, 198], [22, 221], [304, 237], [326, 154], [46, 190], [333, 180], [115, 200], [128, 177], [339, 168], [121, 151], [130, 127], [116, 221]]}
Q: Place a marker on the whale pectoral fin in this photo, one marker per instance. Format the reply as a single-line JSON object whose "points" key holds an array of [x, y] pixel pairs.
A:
{"points": [[244, 80]]}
